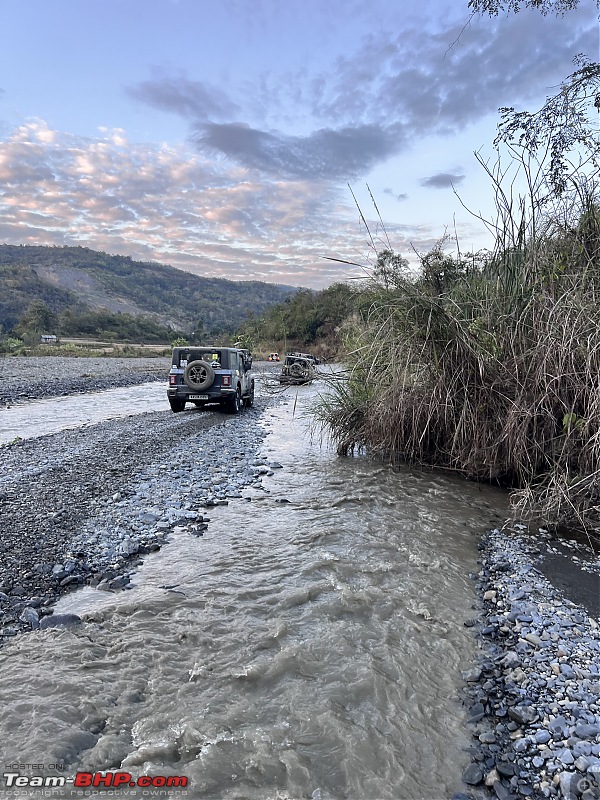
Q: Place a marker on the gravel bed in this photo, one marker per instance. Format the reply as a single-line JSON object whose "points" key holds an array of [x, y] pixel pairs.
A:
{"points": [[24, 379], [80, 507], [534, 696]]}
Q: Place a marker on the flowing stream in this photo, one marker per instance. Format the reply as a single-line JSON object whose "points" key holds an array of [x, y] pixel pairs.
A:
{"points": [[54, 414], [308, 646]]}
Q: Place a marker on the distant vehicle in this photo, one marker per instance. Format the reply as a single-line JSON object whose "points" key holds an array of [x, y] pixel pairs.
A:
{"points": [[48, 338], [211, 374], [307, 356], [273, 357], [297, 370]]}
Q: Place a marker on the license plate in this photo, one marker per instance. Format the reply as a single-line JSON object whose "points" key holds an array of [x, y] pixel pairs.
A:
{"points": [[198, 397]]}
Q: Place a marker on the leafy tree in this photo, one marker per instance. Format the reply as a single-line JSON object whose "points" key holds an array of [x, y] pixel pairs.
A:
{"points": [[562, 128], [566, 126], [390, 268], [37, 319], [305, 319]]}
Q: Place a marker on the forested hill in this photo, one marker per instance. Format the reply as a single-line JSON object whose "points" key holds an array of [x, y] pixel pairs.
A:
{"points": [[74, 280]]}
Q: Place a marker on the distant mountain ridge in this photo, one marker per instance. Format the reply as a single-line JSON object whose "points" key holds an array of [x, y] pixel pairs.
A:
{"points": [[80, 279]]}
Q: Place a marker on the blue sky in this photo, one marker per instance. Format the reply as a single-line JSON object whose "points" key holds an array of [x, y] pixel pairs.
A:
{"points": [[220, 136]]}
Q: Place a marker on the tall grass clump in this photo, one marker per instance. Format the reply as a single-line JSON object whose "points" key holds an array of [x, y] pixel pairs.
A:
{"points": [[489, 365]]}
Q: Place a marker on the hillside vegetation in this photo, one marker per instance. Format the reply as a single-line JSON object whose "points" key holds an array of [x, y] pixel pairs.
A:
{"points": [[87, 292], [314, 320]]}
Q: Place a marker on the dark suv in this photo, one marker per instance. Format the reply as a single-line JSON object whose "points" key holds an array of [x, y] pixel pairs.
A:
{"points": [[202, 375]]}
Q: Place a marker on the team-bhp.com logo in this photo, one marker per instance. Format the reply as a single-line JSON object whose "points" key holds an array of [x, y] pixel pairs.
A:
{"points": [[91, 780]]}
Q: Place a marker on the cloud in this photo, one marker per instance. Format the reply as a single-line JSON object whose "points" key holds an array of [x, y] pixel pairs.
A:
{"points": [[396, 196], [395, 88], [179, 95], [442, 180], [171, 205], [442, 81], [328, 153]]}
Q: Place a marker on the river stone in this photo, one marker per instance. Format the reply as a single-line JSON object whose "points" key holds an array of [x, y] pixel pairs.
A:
{"points": [[542, 737], [473, 775], [476, 713], [522, 745], [586, 731], [533, 639], [566, 782], [582, 764], [511, 659], [565, 757], [524, 715], [59, 620], [487, 737], [128, 547], [582, 749], [492, 777], [31, 616], [506, 769], [502, 793]]}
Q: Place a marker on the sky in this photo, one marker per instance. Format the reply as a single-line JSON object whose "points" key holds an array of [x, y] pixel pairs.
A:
{"points": [[244, 139]]}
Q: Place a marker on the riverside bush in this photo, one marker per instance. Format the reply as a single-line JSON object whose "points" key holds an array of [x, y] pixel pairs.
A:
{"points": [[488, 366]]}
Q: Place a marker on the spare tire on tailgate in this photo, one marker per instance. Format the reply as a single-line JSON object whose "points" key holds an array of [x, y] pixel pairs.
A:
{"points": [[199, 375]]}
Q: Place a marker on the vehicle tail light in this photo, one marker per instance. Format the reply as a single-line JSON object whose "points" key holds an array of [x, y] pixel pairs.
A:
{"points": [[172, 380], [226, 380]]}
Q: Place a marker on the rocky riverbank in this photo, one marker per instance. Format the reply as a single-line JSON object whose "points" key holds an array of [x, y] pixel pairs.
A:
{"points": [[82, 507], [24, 379], [534, 696]]}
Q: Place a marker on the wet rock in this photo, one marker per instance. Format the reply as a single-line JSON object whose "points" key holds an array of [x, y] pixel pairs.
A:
{"points": [[502, 793], [506, 769], [473, 775], [30, 616], [476, 713]]}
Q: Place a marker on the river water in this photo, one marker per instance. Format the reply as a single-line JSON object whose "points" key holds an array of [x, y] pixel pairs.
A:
{"points": [[51, 415], [302, 649]]}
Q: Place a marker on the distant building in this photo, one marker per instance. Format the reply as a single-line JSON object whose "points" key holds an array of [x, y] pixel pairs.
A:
{"points": [[49, 338]]}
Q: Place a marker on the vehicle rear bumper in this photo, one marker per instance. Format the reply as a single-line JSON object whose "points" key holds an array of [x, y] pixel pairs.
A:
{"points": [[183, 393]]}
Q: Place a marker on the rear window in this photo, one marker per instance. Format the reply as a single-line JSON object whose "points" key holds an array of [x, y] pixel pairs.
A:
{"points": [[216, 358]]}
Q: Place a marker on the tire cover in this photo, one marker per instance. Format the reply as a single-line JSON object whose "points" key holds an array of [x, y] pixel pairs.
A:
{"points": [[296, 369], [199, 375]]}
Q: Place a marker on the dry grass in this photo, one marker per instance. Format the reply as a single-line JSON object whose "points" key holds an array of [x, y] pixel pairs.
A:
{"points": [[490, 369]]}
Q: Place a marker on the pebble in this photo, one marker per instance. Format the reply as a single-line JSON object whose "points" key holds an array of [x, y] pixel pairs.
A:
{"points": [[537, 698], [473, 775]]}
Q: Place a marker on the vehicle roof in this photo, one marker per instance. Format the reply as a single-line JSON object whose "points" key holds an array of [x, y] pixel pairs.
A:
{"points": [[211, 347]]}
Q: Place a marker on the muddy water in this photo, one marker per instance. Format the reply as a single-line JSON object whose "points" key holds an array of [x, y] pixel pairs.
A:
{"points": [[309, 648]]}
